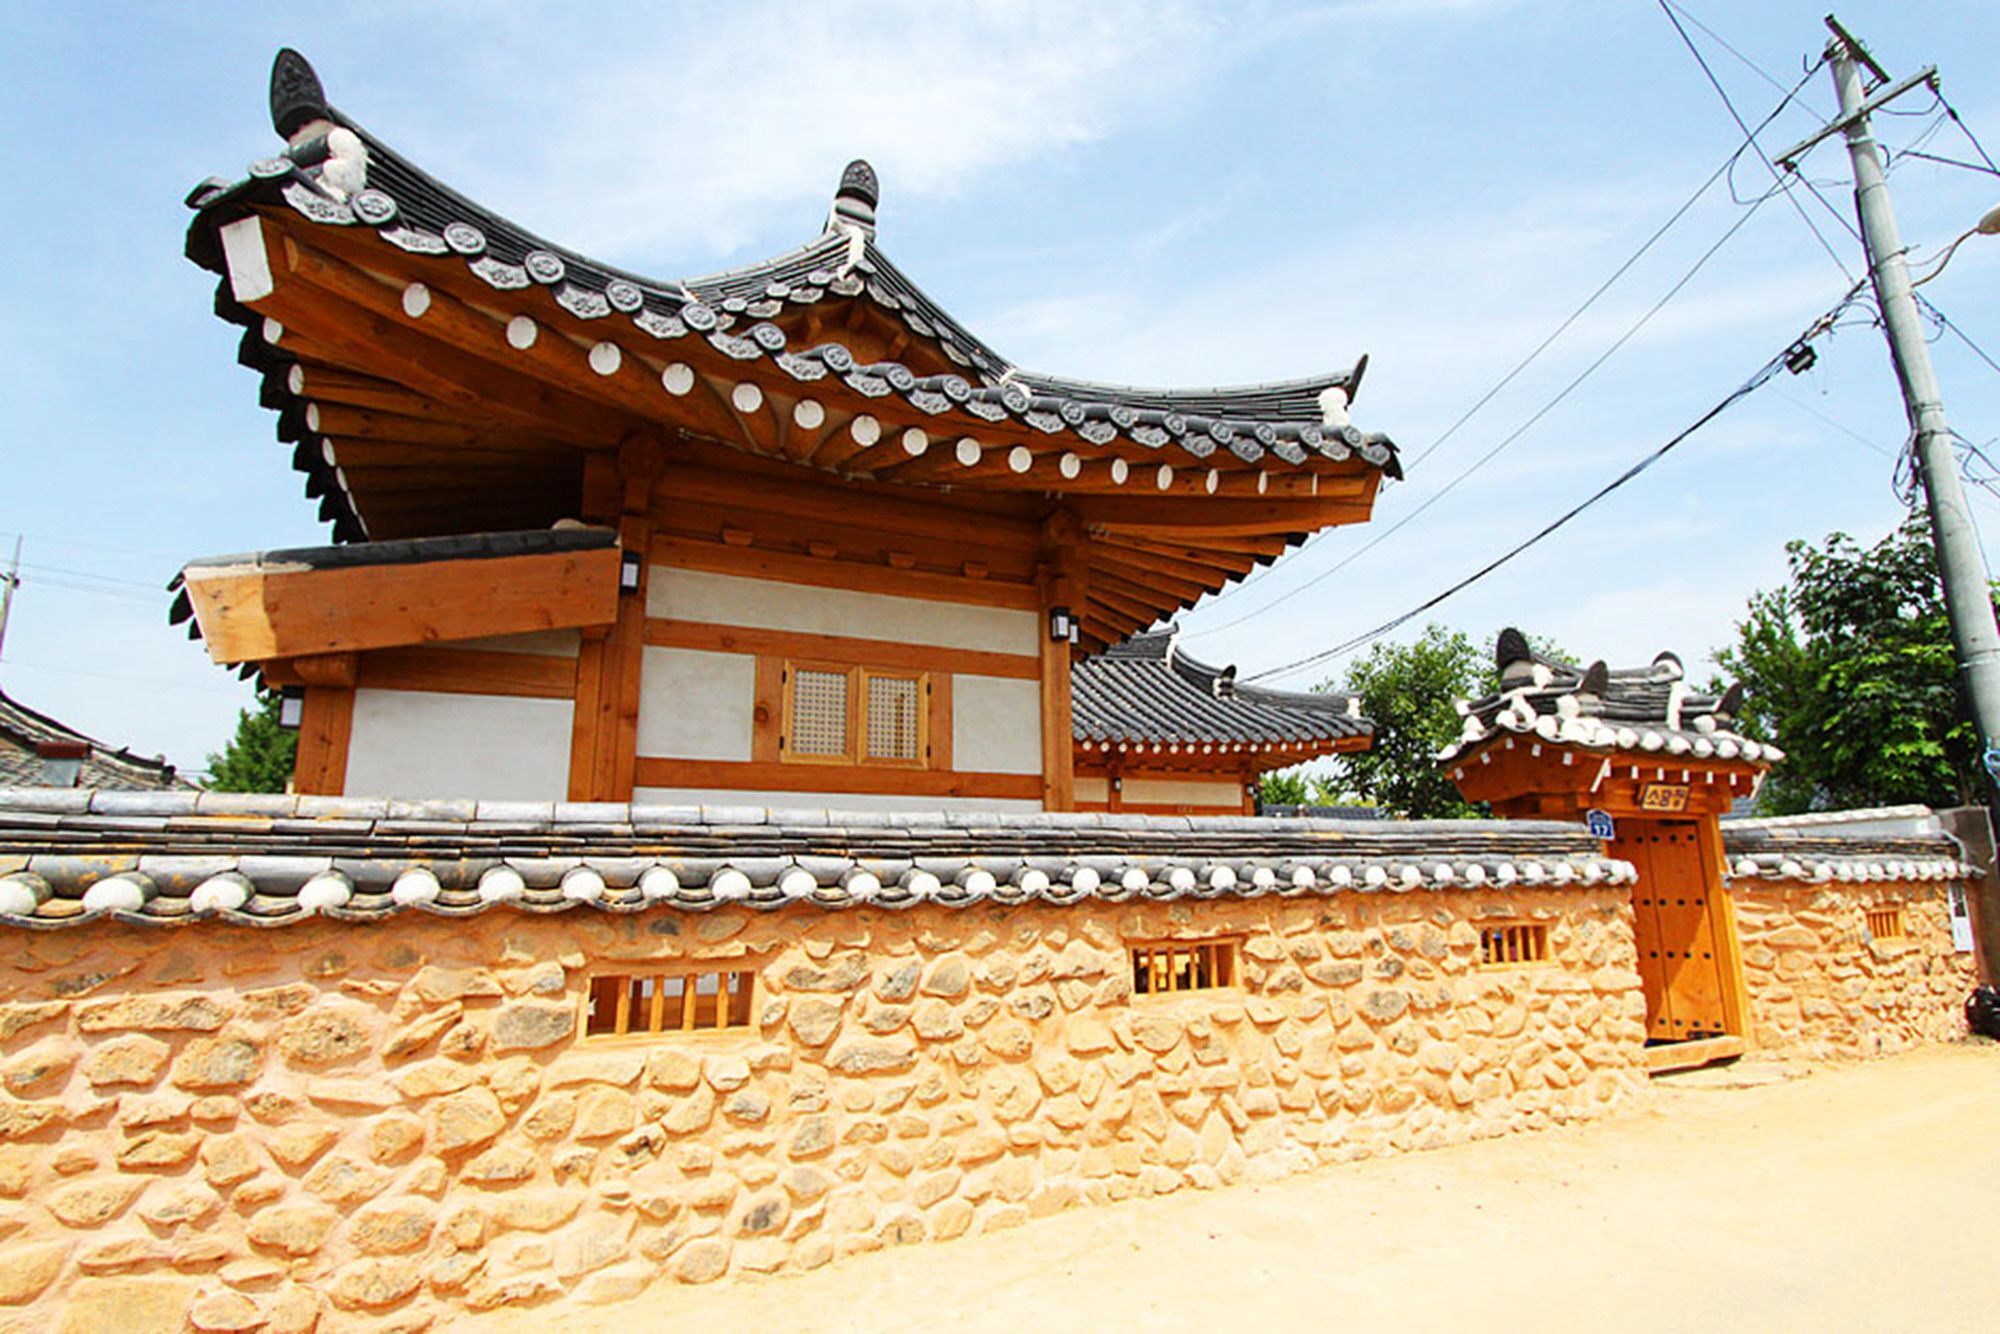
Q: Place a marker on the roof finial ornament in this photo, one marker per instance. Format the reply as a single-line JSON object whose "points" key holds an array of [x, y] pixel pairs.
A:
{"points": [[1514, 659], [854, 202], [297, 100]]}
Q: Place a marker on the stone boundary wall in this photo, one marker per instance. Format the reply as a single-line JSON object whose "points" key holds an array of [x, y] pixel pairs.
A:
{"points": [[1820, 987], [373, 1125]]}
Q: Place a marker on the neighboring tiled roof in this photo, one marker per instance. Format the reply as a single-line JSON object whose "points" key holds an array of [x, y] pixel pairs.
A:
{"points": [[1633, 708], [1811, 855], [21, 728], [1148, 692], [362, 182], [70, 856]]}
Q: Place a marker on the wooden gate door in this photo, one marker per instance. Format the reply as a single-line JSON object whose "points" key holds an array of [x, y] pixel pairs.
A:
{"points": [[1679, 967]]}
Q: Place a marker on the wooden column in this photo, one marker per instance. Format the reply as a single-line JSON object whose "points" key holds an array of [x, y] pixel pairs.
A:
{"points": [[604, 739], [1062, 580], [326, 722]]}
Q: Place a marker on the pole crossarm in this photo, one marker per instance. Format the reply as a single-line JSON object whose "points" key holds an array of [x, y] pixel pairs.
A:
{"points": [[1789, 159]]}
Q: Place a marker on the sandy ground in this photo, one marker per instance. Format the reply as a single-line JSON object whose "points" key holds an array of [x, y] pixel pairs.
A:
{"points": [[1858, 1197]]}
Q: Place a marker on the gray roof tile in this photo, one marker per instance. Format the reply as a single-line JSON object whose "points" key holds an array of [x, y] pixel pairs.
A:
{"points": [[1148, 691]]}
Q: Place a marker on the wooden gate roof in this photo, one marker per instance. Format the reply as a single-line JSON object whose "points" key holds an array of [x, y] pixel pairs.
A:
{"points": [[1646, 710], [441, 369]]}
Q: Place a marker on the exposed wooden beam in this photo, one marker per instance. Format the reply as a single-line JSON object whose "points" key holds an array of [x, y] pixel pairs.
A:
{"points": [[253, 613], [1156, 592], [1217, 514], [838, 573]]}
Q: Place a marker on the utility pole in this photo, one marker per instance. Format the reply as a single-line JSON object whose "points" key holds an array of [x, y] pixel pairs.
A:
{"points": [[8, 583], [1961, 568]]}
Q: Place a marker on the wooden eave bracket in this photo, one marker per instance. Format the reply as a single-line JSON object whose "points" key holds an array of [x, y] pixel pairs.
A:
{"points": [[257, 613]]}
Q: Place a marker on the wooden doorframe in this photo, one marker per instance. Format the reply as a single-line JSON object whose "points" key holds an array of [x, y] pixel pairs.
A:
{"points": [[1720, 912], [1722, 927]]}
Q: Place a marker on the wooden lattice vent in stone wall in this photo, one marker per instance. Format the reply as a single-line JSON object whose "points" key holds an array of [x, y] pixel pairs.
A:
{"points": [[1197, 966], [621, 1004], [1886, 923], [1513, 945]]}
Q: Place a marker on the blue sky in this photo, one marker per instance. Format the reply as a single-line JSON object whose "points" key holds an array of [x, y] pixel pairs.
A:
{"points": [[1152, 193]]}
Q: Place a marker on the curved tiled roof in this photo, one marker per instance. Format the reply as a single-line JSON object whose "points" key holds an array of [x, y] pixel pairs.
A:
{"points": [[1146, 691], [69, 856], [348, 178], [1648, 709], [23, 728]]}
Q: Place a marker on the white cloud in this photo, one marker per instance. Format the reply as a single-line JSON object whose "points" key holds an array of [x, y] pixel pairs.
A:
{"points": [[689, 136]]}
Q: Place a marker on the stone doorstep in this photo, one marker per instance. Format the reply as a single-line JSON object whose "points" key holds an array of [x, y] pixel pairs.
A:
{"points": [[1745, 1073]]}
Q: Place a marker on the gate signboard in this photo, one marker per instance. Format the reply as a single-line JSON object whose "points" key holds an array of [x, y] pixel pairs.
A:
{"points": [[1664, 798]]}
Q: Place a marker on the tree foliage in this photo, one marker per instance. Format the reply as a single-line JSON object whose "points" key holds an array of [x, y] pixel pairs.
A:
{"points": [[259, 757], [1408, 690], [1297, 787], [1849, 668]]}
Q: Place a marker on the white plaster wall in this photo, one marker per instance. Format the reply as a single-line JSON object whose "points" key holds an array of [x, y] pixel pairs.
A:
{"points": [[1183, 792], [1094, 790], [696, 705], [417, 743], [824, 801], [550, 643], [996, 725], [764, 604]]}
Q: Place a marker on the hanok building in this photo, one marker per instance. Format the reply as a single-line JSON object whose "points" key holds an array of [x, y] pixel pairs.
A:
{"points": [[790, 531], [423, 1040], [1159, 732]]}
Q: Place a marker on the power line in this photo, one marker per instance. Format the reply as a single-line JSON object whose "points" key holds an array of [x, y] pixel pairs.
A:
{"points": [[1749, 386], [92, 574], [1723, 42], [1772, 167], [1949, 162], [1966, 130], [1575, 383], [1727, 165], [1963, 336], [70, 669]]}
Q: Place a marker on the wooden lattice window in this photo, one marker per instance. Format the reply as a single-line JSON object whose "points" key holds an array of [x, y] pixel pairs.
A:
{"points": [[1193, 966], [895, 708], [680, 1002], [1886, 922], [838, 714], [818, 717], [1513, 944]]}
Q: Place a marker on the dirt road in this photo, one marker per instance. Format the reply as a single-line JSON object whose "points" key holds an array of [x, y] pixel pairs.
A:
{"points": [[1861, 1197]]}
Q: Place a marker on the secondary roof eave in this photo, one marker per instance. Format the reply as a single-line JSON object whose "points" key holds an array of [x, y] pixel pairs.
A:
{"points": [[1148, 696]]}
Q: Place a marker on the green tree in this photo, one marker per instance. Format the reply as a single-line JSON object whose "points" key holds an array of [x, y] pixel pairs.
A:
{"points": [[1411, 690], [1408, 689], [1849, 668], [259, 757], [1297, 787]]}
